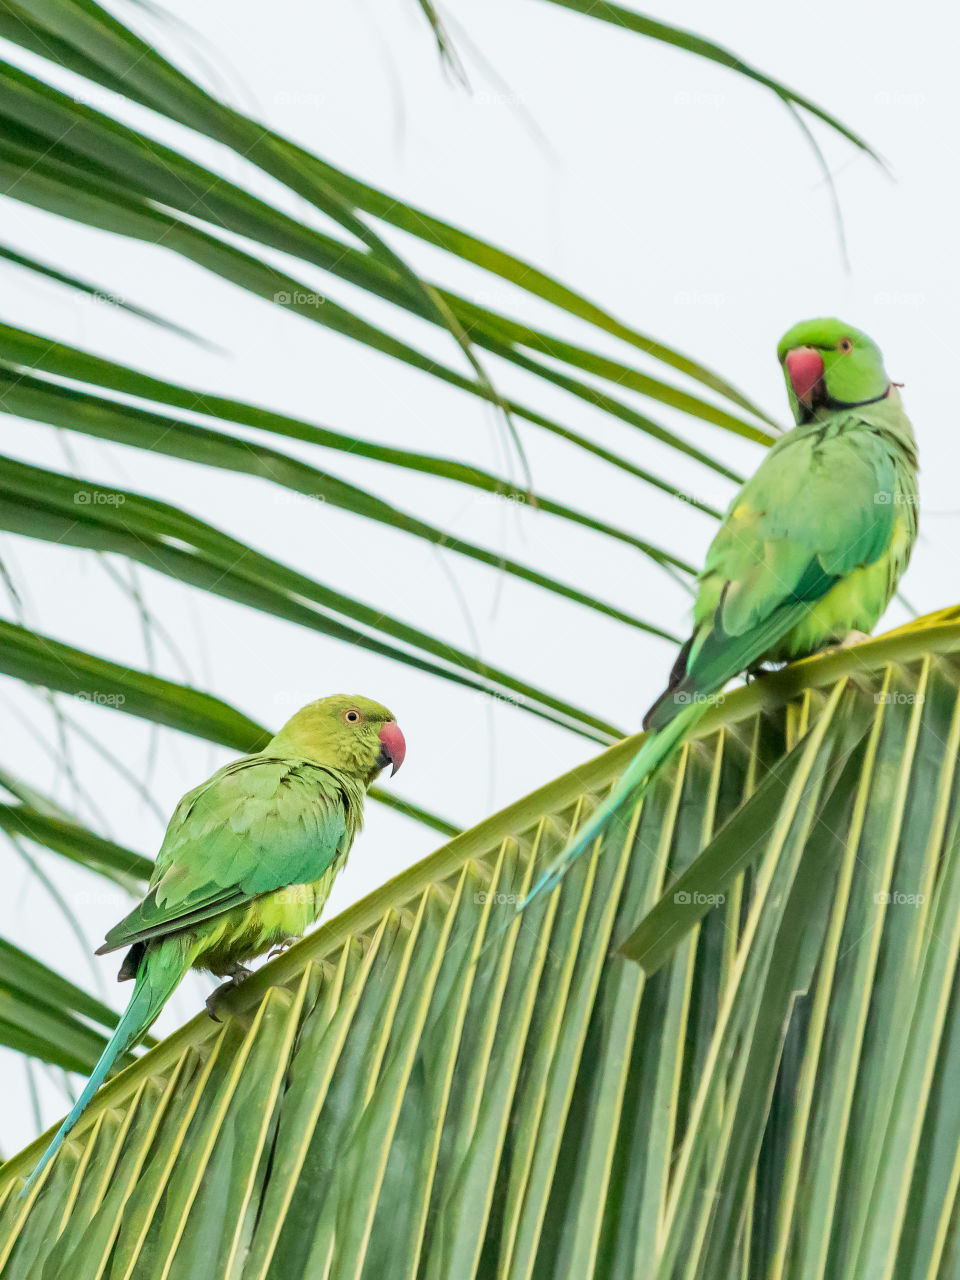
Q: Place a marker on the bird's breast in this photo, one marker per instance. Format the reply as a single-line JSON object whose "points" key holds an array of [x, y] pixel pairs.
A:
{"points": [[250, 930]]}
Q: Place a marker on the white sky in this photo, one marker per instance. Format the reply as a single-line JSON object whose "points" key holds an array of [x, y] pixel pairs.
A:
{"points": [[680, 196]]}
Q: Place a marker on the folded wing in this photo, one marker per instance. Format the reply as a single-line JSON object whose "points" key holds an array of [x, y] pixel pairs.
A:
{"points": [[258, 825]]}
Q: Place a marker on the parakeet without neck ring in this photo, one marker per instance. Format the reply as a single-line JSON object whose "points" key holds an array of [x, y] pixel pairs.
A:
{"points": [[810, 550], [247, 862]]}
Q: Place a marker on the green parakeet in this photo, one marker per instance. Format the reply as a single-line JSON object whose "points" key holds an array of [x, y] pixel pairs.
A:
{"points": [[247, 862], [809, 552]]}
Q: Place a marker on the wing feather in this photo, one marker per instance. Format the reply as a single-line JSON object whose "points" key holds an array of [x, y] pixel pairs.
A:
{"points": [[259, 824], [823, 503]]}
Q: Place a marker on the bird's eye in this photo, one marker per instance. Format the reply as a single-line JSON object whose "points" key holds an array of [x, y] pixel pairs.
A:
{"points": [[352, 717], [844, 345]]}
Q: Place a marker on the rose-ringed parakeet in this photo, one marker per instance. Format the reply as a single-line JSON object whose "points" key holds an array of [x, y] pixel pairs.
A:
{"points": [[810, 550], [247, 862]]}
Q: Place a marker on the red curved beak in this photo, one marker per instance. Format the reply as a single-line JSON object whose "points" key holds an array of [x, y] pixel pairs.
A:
{"points": [[392, 746], [804, 369]]}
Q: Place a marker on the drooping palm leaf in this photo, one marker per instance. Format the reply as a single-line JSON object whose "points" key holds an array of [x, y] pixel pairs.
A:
{"points": [[84, 287], [62, 509], [416, 1090], [629, 20], [27, 351], [65, 155], [61, 153], [29, 397], [75, 842], [72, 159], [445, 46], [87, 39], [101, 182], [45, 1016], [61, 1035]]}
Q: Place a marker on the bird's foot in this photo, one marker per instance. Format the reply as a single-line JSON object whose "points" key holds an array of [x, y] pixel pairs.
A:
{"points": [[281, 947], [235, 974], [850, 640], [853, 638]]}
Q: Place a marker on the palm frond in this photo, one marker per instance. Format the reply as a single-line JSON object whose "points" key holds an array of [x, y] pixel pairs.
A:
{"points": [[71, 159], [416, 1090], [31, 352], [445, 46], [94, 44], [72, 840], [95, 292], [28, 397], [64, 155], [48, 1017], [75, 512], [629, 20]]}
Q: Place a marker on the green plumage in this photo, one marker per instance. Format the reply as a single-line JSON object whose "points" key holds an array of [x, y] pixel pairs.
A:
{"points": [[812, 547], [810, 550], [247, 862]]}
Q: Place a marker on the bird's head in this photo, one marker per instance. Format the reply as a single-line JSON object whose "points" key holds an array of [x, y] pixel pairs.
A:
{"points": [[830, 365], [346, 732]]}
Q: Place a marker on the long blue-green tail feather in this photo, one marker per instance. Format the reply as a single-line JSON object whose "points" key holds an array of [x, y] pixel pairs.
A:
{"points": [[668, 727], [630, 788], [160, 971]]}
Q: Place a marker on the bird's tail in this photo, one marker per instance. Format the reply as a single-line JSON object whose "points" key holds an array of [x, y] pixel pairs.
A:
{"points": [[161, 968], [629, 789]]}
